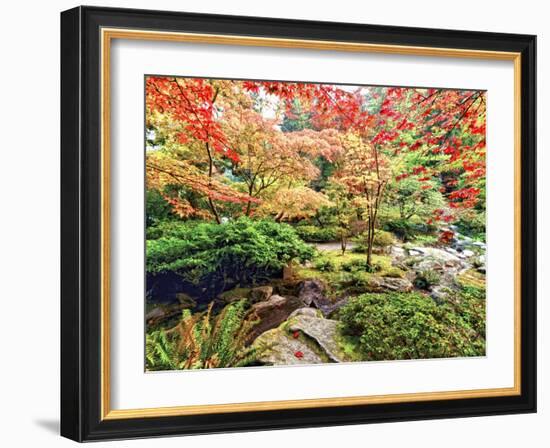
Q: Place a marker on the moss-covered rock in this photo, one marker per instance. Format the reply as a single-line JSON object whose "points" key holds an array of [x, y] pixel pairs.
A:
{"points": [[260, 293], [234, 295], [276, 347], [324, 332]]}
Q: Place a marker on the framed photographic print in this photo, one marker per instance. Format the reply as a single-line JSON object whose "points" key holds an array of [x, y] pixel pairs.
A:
{"points": [[272, 223]]}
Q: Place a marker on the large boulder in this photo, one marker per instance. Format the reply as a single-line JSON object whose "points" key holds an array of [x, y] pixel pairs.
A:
{"points": [[312, 293], [439, 293], [162, 313], [276, 347], [186, 300], [435, 253], [384, 284], [324, 332], [397, 252], [233, 295], [260, 293], [271, 313], [311, 312], [479, 264]]}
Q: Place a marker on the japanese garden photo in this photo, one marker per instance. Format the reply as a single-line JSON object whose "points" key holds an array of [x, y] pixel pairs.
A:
{"points": [[294, 223]]}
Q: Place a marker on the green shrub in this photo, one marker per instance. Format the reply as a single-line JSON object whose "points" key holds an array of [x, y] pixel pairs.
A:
{"points": [[469, 304], [383, 238], [354, 265], [360, 280], [473, 225], [426, 279], [359, 248], [360, 265], [425, 240], [403, 228], [171, 229], [325, 265], [218, 256], [413, 326], [393, 272], [314, 234]]}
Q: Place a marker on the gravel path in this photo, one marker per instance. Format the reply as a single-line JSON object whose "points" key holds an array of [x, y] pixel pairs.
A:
{"points": [[332, 246]]}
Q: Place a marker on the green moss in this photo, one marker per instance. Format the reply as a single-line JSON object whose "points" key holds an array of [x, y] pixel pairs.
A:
{"points": [[336, 257], [424, 240], [472, 278], [394, 272], [235, 294], [350, 346], [346, 271], [302, 273]]}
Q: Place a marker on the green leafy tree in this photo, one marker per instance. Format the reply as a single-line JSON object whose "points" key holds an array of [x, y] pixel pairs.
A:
{"points": [[413, 198], [343, 211]]}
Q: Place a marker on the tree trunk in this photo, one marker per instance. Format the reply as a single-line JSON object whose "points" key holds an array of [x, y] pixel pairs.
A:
{"points": [[279, 217], [248, 208], [210, 172], [249, 203], [343, 243], [370, 241]]}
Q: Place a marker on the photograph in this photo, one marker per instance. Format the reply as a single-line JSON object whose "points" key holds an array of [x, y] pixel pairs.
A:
{"points": [[297, 223]]}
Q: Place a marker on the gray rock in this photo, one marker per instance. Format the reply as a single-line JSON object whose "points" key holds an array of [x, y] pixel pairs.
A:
{"points": [[155, 313], [415, 252], [438, 254], [397, 284], [397, 252], [186, 300], [323, 331], [260, 293], [439, 293], [275, 347], [163, 313], [382, 284], [452, 251], [418, 250], [312, 293], [310, 312], [481, 264]]}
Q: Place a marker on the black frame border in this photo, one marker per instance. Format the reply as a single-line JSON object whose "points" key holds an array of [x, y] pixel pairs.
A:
{"points": [[81, 223]]}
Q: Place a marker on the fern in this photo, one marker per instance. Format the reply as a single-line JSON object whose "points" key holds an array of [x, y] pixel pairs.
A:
{"points": [[160, 352], [203, 341]]}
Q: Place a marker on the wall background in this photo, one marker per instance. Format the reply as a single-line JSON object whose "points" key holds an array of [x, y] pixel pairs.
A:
{"points": [[29, 224]]}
